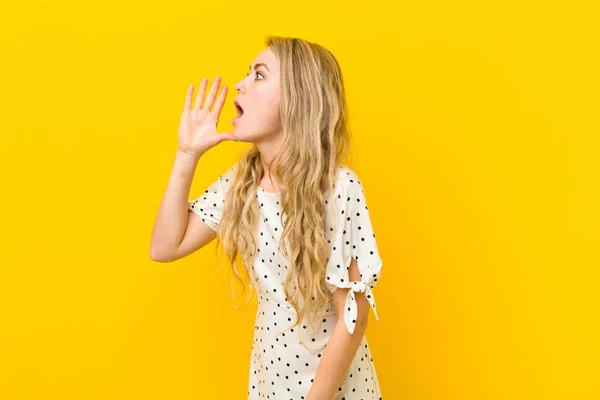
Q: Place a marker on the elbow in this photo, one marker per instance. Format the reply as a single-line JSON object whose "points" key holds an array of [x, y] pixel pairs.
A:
{"points": [[159, 256], [363, 312], [361, 324], [355, 329]]}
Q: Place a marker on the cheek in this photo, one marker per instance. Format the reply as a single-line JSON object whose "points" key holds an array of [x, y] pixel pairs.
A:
{"points": [[265, 105], [275, 104], [271, 96], [269, 107]]}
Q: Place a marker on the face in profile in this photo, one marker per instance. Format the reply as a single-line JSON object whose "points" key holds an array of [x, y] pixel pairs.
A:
{"points": [[258, 100]]}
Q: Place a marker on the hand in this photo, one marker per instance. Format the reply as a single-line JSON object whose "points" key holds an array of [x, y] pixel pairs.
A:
{"points": [[198, 126]]}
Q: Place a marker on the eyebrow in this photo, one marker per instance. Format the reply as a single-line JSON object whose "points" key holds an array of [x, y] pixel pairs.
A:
{"points": [[258, 65]]}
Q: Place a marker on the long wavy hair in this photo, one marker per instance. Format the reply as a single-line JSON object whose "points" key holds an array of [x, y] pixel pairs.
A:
{"points": [[317, 141]]}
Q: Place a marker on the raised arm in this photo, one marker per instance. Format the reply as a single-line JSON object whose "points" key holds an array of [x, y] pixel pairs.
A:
{"points": [[177, 231]]}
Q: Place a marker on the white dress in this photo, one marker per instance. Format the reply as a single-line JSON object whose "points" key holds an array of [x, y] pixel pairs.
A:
{"points": [[280, 366]]}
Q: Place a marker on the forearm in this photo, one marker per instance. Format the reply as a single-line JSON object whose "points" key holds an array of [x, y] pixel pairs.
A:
{"points": [[171, 219], [335, 361]]}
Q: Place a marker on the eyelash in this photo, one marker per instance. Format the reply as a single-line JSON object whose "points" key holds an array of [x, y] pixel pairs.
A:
{"points": [[257, 73]]}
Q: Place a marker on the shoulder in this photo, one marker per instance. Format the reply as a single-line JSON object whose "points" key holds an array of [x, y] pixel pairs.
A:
{"points": [[222, 182], [347, 180], [227, 175], [346, 174], [230, 172]]}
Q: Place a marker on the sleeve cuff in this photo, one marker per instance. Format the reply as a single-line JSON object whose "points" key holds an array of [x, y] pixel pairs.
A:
{"points": [[351, 307]]}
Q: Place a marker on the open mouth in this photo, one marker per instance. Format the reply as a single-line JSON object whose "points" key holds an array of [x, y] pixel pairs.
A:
{"points": [[239, 109]]}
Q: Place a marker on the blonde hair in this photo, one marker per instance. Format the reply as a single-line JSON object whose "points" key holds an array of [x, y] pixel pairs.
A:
{"points": [[317, 141]]}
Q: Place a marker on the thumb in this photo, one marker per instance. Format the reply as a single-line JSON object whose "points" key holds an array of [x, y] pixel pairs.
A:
{"points": [[226, 136]]}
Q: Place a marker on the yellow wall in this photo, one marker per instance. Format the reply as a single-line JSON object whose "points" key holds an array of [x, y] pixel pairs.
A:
{"points": [[477, 131]]}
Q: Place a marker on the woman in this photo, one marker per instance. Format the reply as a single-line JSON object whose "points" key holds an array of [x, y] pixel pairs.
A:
{"points": [[293, 213]]}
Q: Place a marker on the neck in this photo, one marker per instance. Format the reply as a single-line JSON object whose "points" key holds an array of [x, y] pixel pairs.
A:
{"points": [[268, 150]]}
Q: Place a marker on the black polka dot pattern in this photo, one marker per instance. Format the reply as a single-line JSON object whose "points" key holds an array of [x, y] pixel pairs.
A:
{"points": [[284, 361], [209, 206], [282, 368], [352, 237]]}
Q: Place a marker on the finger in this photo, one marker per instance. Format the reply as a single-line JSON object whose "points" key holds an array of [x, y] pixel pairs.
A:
{"points": [[200, 95], [188, 98], [220, 101], [212, 94], [226, 136]]}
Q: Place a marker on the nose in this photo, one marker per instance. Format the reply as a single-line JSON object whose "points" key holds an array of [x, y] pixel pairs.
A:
{"points": [[238, 86]]}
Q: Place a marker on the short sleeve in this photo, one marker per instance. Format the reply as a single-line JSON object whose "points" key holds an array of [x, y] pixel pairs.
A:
{"points": [[351, 234], [209, 206]]}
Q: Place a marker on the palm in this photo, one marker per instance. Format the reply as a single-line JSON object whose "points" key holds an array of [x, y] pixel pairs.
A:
{"points": [[198, 126]]}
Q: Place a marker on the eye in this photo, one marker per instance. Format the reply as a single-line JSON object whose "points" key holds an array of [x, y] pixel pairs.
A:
{"points": [[257, 73]]}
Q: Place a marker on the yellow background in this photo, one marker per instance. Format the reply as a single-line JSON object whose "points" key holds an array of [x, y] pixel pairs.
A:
{"points": [[477, 131]]}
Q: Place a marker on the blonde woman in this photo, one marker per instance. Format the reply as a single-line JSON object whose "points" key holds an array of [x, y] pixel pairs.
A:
{"points": [[292, 219]]}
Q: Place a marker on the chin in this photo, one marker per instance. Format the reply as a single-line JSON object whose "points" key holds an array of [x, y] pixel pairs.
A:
{"points": [[262, 134], [240, 136], [247, 137]]}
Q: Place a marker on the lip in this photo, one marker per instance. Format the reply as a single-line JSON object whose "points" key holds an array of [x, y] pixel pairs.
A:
{"points": [[237, 103]]}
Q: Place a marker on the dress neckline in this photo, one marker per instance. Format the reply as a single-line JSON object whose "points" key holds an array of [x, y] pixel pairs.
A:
{"points": [[269, 193]]}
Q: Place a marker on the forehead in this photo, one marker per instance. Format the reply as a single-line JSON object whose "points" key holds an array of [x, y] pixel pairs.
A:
{"points": [[267, 57]]}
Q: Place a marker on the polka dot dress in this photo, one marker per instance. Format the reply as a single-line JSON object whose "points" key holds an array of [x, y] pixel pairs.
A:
{"points": [[284, 361]]}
